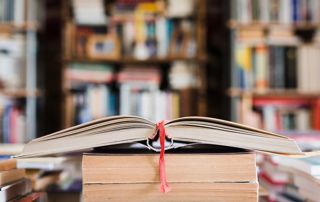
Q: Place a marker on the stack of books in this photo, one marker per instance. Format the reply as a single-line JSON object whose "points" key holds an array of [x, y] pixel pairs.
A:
{"points": [[291, 179], [228, 175], [13, 183], [192, 177]]}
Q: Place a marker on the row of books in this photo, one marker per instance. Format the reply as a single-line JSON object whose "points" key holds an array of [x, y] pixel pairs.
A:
{"points": [[182, 75], [12, 61], [276, 11], [93, 13], [13, 122], [290, 179], [13, 11], [296, 117], [159, 38], [279, 114], [97, 91], [90, 101], [277, 67]]}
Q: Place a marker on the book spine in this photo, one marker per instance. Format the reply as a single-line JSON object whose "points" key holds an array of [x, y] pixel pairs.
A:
{"points": [[261, 68], [291, 68]]}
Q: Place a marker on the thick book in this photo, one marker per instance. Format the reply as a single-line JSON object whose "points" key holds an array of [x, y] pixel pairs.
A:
{"points": [[11, 176], [182, 192], [236, 167], [8, 165], [129, 129]]}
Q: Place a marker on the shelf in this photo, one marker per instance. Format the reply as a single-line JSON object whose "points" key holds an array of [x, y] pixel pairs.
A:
{"points": [[311, 134], [276, 93], [10, 27], [11, 149], [259, 25], [128, 60], [19, 93]]}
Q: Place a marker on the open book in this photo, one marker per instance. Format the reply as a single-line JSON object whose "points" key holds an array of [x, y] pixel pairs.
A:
{"points": [[129, 129]]}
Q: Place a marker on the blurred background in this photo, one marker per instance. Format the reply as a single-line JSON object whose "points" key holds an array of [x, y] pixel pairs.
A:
{"points": [[256, 62]]}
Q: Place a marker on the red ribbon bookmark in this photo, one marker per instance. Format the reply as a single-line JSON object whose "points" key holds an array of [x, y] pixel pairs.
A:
{"points": [[164, 187]]}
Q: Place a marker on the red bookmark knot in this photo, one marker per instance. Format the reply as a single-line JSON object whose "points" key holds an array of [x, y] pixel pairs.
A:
{"points": [[164, 187]]}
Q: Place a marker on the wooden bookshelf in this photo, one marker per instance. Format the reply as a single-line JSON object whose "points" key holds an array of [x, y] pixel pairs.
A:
{"points": [[19, 87], [267, 56], [163, 63]]}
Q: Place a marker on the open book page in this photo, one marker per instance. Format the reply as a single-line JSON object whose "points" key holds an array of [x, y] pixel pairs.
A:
{"points": [[100, 125], [101, 132], [219, 122], [221, 132]]}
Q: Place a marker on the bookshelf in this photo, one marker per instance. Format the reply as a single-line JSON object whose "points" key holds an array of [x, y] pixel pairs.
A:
{"points": [[19, 23], [270, 60], [274, 56], [149, 38]]}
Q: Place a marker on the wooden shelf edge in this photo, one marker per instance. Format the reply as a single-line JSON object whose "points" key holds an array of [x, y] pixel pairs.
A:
{"points": [[233, 24], [128, 60], [278, 93], [9, 27], [19, 93]]}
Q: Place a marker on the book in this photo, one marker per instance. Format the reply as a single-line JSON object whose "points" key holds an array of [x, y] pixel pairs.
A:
{"points": [[8, 165], [95, 73], [47, 163], [11, 175], [129, 129], [15, 189], [310, 166], [182, 192], [180, 168], [89, 13]]}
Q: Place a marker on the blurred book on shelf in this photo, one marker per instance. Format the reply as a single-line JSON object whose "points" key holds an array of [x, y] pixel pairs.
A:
{"points": [[12, 61], [89, 73], [89, 12], [13, 121]]}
